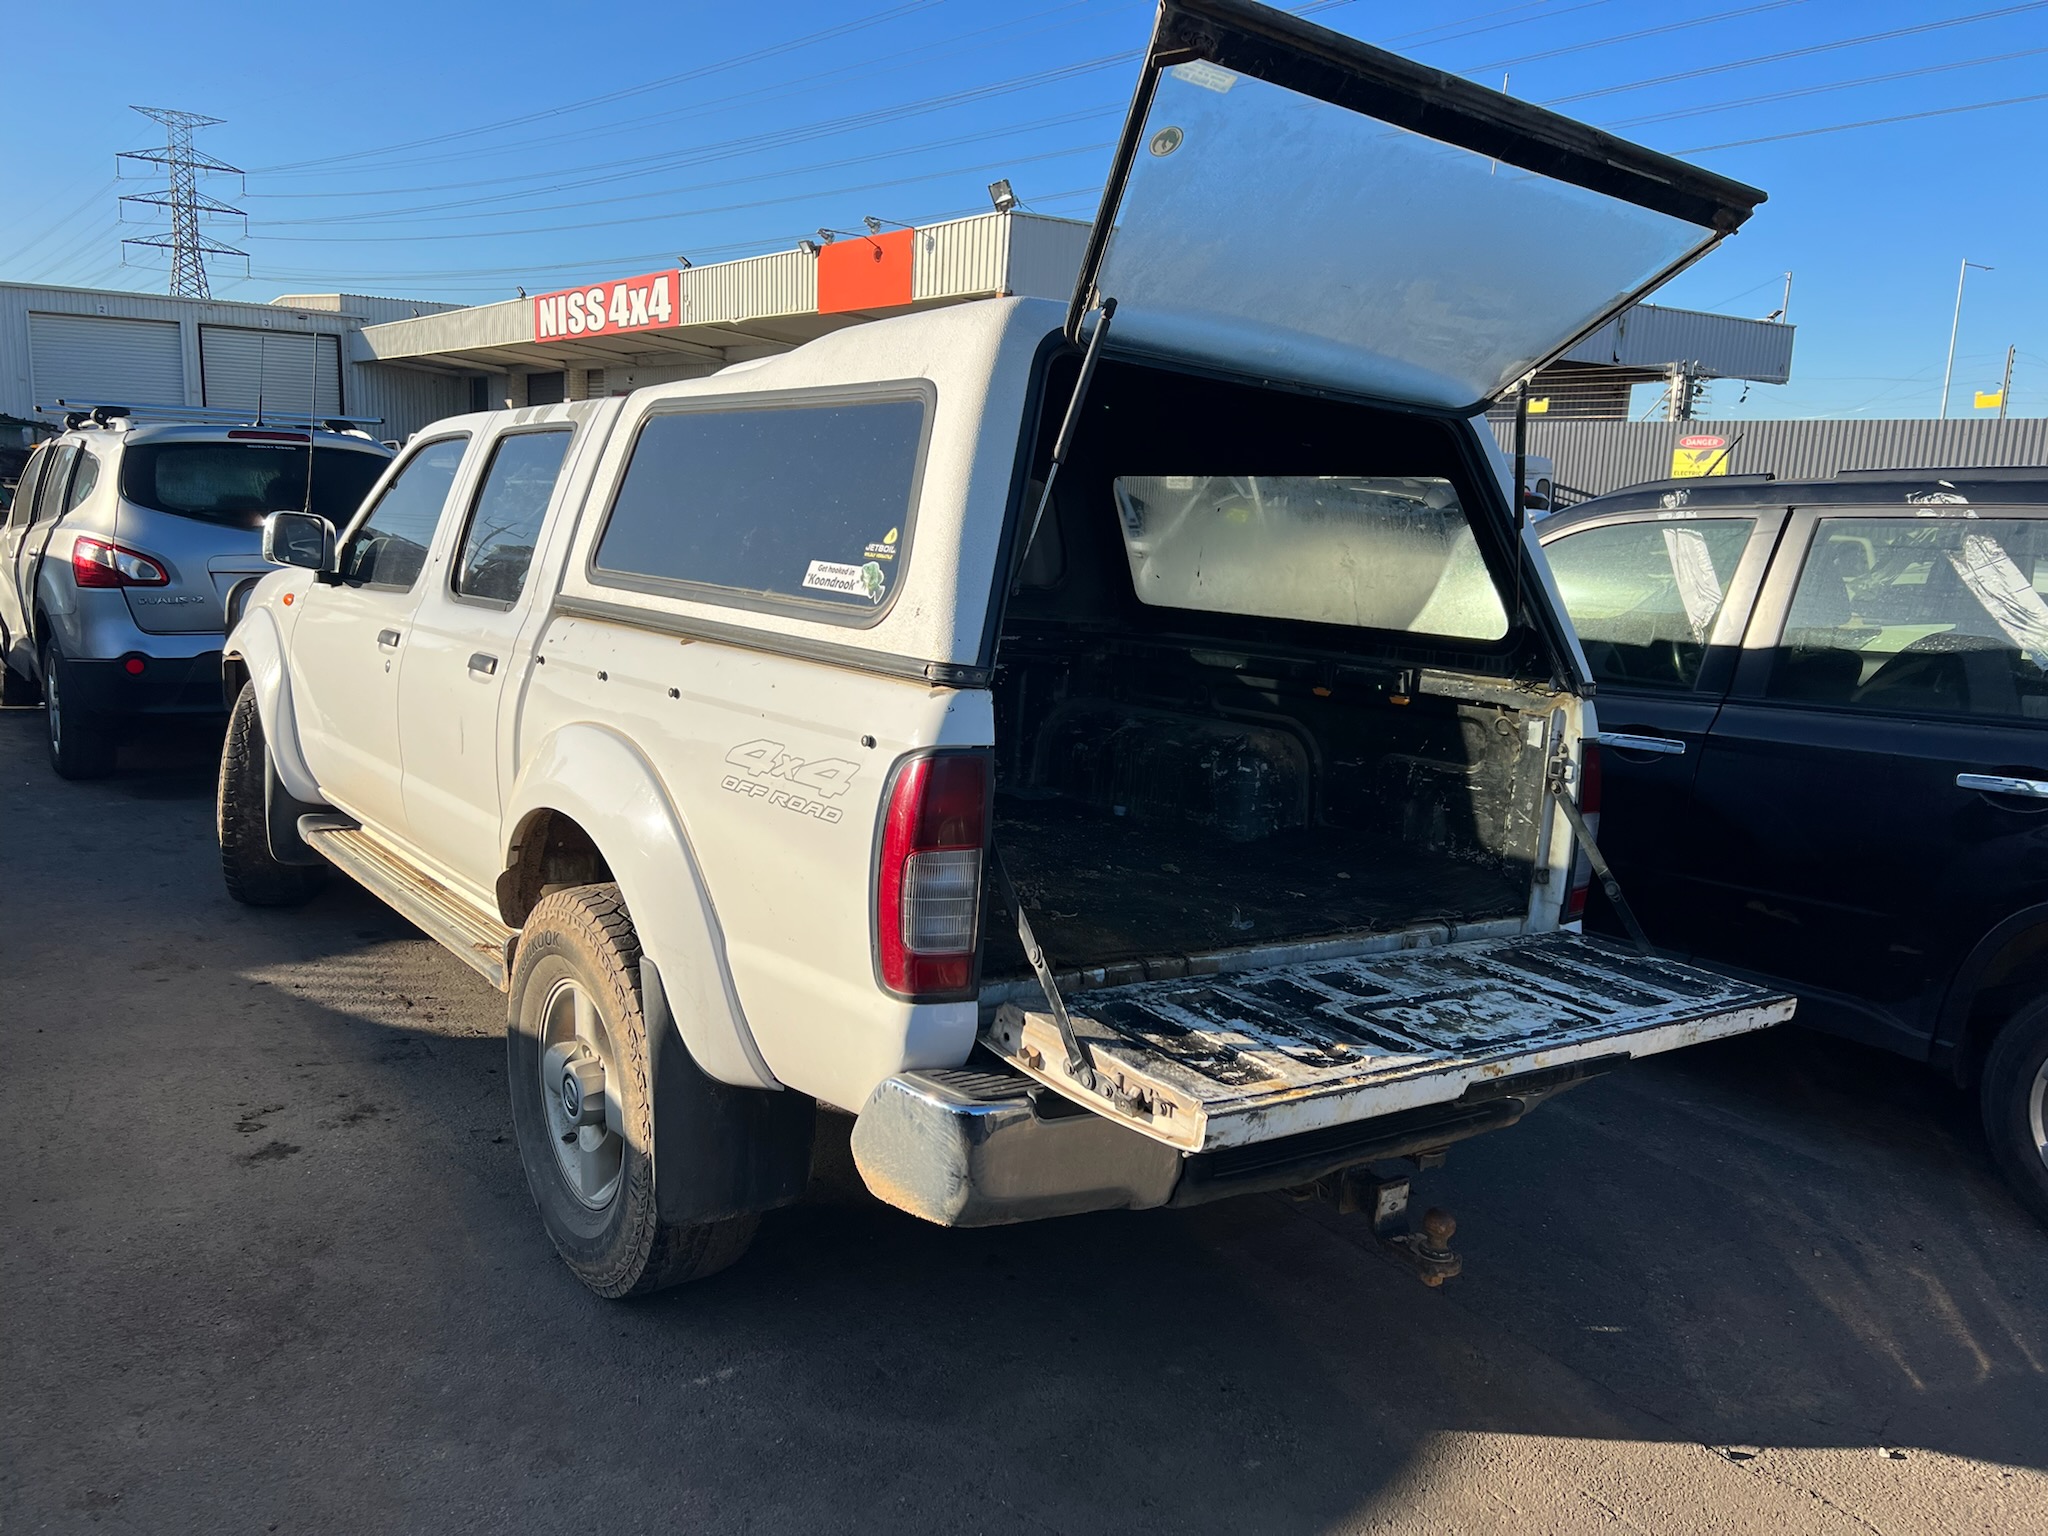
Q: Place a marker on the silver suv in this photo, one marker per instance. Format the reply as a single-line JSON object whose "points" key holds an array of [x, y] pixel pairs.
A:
{"points": [[122, 543]]}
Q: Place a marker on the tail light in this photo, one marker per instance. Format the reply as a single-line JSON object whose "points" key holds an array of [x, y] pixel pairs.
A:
{"points": [[1589, 807], [97, 563], [928, 889]]}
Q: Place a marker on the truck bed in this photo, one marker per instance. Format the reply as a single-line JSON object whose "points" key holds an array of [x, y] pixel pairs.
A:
{"points": [[1100, 889]]}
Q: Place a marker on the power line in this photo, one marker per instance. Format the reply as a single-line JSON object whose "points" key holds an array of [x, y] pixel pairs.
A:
{"points": [[623, 93], [1818, 90], [1795, 53], [692, 213], [1630, 37], [1871, 122], [751, 178]]}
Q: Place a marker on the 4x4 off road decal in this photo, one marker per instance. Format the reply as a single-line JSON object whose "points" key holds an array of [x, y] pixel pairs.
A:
{"points": [[767, 765]]}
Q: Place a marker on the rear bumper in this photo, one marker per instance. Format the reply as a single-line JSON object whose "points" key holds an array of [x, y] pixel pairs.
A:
{"points": [[166, 685], [976, 1149]]}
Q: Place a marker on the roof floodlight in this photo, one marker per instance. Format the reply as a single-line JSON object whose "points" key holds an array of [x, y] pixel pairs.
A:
{"points": [[808, 247], [1000, 194]]}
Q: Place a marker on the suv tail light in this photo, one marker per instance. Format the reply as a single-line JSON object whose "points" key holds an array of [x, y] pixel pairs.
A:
{"points": [[1589, 807], [928, 889], [97, 563]]}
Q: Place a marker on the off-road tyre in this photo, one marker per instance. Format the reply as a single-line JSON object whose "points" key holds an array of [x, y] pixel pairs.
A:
{"points": [[2008, 1098], [625, 1249], [81, 746], [253, 875]]}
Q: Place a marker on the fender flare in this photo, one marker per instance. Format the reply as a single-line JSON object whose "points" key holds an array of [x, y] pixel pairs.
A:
{"points": [[255, 643], [602, 781]]}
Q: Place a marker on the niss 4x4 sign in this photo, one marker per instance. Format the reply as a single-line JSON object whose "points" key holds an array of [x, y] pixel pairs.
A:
{"points": [[606, 309]]}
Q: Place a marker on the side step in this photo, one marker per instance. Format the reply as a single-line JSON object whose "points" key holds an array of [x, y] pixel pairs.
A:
{"points": [[445, 915]]}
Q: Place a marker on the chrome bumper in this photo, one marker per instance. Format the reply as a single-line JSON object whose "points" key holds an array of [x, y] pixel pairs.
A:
{"points": [[971, 1149]]}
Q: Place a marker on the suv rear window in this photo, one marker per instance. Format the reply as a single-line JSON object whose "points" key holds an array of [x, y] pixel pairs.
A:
{"points": [[802, 507], [238, 483]]}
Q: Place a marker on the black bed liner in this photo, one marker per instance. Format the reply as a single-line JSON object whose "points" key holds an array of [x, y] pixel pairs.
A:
{"points": [[1101, 889]]}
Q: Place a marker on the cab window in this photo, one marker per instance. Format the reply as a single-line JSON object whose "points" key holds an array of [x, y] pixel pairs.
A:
{"points": [[1644, 597], [389, 546], [504, 524], [1924, 615]]}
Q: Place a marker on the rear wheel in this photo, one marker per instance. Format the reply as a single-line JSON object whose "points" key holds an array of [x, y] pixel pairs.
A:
{"points": [[81, 746], [2015, 1105], [254, 876], [583, 1107]]}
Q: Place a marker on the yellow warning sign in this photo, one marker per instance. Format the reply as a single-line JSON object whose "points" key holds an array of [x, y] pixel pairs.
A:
{"points": [[1989, 399], [1695, 457]]}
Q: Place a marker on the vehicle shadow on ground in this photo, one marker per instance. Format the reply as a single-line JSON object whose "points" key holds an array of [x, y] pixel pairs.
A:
{"points": [[288, 1268]]}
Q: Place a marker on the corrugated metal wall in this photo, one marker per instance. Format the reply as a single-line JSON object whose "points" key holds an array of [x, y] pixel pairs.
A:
{"points": [[406, 399], [1601, 456]]}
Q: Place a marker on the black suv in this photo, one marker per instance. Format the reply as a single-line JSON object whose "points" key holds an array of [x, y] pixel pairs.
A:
{"points": [[1823, 709]]}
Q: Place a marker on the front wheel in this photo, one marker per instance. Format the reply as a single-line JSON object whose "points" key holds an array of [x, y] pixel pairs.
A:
{"points": [[255, 877], [81, 746], [583, 1107], [2015, 1105]]}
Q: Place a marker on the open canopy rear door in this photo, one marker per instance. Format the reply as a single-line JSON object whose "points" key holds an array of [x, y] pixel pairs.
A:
{"points": [[1289, 203]]}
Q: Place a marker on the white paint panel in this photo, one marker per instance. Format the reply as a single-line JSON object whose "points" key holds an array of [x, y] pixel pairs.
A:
{"points": [[101, 357], [245, 369]]}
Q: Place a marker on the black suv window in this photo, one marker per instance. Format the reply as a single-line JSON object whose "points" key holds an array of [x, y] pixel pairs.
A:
{"points": [[497, 547], [1644, 596], [391, 545], [1941, 615], [239, 483]]}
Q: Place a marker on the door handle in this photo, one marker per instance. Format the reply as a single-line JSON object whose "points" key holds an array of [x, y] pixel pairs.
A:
{"points": [[1663, 746], [1999, 784], [488, 665], [388, 638]]}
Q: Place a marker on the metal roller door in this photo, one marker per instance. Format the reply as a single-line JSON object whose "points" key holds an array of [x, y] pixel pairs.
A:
{"points": [[280, 371], [98, 357]]}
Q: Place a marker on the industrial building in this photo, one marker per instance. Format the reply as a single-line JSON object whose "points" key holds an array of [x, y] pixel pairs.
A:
{"points": [[301, 353], [410, 362]]}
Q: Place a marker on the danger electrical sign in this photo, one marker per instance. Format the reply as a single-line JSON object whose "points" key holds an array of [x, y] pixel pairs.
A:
{"points": [[609, 309]]}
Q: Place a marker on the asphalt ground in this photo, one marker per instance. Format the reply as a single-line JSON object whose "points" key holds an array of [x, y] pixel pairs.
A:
{"points": [[270, 1264]]}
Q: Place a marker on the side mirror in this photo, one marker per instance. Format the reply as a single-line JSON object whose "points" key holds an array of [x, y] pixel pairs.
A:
{"points": [[300, 539]]}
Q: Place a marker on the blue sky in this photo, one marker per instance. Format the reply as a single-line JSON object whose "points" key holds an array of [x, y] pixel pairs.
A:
{"points": [[453, 151]]}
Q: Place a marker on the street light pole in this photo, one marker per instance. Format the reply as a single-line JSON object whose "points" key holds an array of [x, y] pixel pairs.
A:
{"points": [[1954, 325]]}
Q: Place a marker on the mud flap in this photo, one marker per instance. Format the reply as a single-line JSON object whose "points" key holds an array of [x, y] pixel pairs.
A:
{"points": [[718, 1150]]}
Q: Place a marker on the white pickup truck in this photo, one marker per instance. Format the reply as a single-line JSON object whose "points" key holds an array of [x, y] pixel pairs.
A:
{"points": [[1124, 755]]}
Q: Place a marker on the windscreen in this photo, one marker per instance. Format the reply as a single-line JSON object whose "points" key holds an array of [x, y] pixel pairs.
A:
{"points": [[1283, 237], [240, 483], [1373, 552]]}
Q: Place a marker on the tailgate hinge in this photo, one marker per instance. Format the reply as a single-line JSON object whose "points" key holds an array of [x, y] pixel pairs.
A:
{"points": [[1080, 1066], [1560, 786]]}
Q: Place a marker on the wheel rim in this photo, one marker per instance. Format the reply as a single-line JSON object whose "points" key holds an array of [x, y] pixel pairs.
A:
{"points": [[579, 1094], [52, 707], [2037, 1112]]}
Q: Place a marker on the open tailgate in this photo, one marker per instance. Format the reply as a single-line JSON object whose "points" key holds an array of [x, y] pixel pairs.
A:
{"points": [[1290, 204], [1225, 1061]]}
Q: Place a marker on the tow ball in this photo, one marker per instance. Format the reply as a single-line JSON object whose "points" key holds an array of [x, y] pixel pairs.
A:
{"points": [[1383, 1200]]}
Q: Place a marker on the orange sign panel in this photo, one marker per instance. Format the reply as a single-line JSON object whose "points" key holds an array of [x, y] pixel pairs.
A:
{"points": [[865, 272]]}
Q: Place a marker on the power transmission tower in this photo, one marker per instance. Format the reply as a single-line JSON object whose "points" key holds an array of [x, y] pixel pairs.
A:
{"points": [[182, 164]]}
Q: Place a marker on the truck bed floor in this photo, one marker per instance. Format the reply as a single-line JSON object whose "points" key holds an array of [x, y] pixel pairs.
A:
{"points": [[1100, 889]]}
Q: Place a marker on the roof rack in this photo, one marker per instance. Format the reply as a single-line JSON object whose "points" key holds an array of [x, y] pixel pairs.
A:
{"points": [[78, 412], [1978, 472]]}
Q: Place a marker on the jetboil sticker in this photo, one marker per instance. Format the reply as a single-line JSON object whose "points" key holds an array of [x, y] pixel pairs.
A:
{"points": [[864, 580]]}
